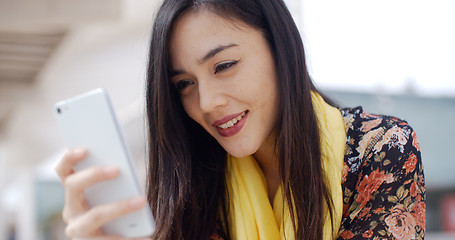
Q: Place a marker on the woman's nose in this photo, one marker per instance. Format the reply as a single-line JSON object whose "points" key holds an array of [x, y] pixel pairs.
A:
{"points": [[211, 96]]}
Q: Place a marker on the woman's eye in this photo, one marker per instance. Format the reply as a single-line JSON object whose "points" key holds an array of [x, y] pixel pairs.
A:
{"points": [[225, 65], [182, 84]]}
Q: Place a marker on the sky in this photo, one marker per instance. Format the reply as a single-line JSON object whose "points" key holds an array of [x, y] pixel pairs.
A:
{"points": [[392, 46]]}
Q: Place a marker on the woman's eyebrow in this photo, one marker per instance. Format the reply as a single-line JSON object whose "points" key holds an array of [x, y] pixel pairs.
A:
{"points": [[214, 51], [210, 54], [173, 73]]}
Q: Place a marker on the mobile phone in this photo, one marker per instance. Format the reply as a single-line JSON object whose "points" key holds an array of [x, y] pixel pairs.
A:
{"points": [[89, 121]]}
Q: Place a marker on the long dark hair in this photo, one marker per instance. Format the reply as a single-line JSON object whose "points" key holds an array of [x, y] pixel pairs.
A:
{"points": [[186, 171]]}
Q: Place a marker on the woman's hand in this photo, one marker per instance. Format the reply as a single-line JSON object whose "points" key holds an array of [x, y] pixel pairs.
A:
{"points": [[82, 221]]}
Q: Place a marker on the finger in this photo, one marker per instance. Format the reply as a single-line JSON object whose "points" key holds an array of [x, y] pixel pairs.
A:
{"points": [[75, 185], [89, 223], [69, 159]]}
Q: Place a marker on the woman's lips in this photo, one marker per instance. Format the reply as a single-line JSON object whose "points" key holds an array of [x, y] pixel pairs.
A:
{"points": [[231, 124], [226, 119]]}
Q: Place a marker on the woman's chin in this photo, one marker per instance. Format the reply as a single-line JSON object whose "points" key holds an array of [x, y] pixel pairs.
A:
{"points": [[239, 147], [239, 153]]}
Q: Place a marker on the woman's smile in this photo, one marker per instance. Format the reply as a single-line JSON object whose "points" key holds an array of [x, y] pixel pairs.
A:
{"points": [[231, 124]]}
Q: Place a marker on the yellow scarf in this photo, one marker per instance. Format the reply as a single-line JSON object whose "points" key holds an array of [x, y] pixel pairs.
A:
{"points": [[252, 217]]}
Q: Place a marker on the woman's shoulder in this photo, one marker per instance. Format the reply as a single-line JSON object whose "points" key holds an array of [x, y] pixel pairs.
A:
{"points": [[357, 121], [377, 141], [368, 133]]}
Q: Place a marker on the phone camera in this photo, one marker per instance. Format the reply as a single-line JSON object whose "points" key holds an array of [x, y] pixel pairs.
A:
{"points": [[59, 110]]}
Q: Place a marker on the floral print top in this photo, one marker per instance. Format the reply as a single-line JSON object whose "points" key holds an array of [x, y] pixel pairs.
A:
{"points": [[383, 182]]}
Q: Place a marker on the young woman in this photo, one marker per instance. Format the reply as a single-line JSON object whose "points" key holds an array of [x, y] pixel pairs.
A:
{"points": [[243, 146]]}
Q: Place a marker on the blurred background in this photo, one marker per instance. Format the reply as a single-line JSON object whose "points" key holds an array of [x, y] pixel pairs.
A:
{"points": [[392, 57]]}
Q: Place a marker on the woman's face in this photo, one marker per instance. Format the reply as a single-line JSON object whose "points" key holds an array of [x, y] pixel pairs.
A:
{"points": [[225, 74]]}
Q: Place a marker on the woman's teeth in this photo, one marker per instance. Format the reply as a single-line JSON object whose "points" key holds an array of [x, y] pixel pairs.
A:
{"points": [[232, 122]]}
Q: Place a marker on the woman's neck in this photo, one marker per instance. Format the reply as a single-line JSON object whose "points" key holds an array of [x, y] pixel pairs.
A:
{"points": [[267, 158]]}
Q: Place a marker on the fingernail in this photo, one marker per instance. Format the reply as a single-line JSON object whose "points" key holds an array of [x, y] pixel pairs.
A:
{"points": [[110, 170], [137, 202], [79, 152]]}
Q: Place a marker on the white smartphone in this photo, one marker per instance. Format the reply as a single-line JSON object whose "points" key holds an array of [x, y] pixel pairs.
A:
{"points": [[89, 121]]}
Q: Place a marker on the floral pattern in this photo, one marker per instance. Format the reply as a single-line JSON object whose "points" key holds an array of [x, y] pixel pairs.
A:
{"points": [[383, 182]]}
